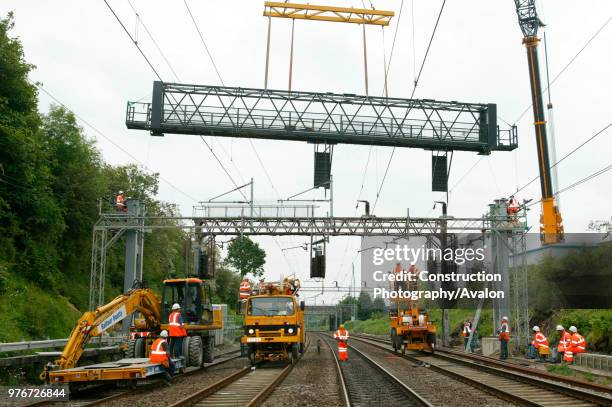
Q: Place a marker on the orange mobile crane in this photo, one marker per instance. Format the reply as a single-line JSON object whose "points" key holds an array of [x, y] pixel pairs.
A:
{"points": [[551, 224]]}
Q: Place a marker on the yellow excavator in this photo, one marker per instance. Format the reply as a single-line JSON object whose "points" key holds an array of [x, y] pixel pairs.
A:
{"points": [[201, 318]]}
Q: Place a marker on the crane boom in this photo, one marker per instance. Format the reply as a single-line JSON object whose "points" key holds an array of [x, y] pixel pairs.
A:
{"points": [[551, 227]]}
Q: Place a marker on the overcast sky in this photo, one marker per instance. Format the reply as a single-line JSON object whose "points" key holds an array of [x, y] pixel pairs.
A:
{"points": [[84, 58]]}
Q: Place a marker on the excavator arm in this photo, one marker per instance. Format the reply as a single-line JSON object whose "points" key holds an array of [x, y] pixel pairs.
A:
{"points": [[95, 323]]}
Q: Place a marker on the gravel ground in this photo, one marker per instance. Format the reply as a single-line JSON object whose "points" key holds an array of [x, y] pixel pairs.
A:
{"points": [[181, 386], [438, 389], [312, 382]]}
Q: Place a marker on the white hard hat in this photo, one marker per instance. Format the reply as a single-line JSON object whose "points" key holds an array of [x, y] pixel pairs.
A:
{"points": [[120, 192], [560, 328], [163, 334], [573, 329], [536, 328], [176, 306], [504, 318]]}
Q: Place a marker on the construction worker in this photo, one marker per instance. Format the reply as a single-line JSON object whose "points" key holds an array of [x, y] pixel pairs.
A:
{"points": [[121, 206], [474, 340], [160, 354], [540, 343], [577, 345], [467, 330], [504, 337], [565, 339], [177, 331], [342, 336], [513, 206]]}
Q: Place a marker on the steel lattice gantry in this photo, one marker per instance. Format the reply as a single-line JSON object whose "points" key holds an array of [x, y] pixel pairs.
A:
{"points": [[314, 117], [305, 226]]}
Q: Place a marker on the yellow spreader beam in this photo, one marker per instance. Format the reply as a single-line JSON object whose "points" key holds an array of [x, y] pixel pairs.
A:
{"points": [[327, 13]]}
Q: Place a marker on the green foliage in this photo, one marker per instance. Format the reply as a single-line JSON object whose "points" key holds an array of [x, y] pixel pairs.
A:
{"points": [[559, 369], [226, 287], [246, 257], [364, 311], [52, 178], [580, 278], [374, 326]]}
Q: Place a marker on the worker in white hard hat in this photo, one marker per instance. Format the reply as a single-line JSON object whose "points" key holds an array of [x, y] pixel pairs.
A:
{"points": [[177, 331], [504, 337], [577, 345], [540, 343], [160, 353], [565, 340]]}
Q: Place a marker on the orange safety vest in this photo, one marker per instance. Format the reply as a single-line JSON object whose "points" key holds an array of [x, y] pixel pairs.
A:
{"points": [[564, 341], [467, 330], [158, 354], [540, 341], [176, 328], [504, 336], [578, 344], [341, 335]]}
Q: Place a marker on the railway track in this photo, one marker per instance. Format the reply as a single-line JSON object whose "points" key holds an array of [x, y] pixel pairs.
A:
{"points": [[364, 382], [249, 386], [512, 383], [99, 395]]}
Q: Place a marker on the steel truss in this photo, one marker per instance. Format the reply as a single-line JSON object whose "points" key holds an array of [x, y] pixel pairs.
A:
{"points": [[303, 226], [320, 118], [327, 13]]}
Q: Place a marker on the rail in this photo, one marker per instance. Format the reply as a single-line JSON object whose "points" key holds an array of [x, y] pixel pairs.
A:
{"points": [[497, 380], [355, 389], [247, 386]]}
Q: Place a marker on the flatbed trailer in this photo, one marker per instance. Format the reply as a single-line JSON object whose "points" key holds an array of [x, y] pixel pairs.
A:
{"points": [[123, 369]]}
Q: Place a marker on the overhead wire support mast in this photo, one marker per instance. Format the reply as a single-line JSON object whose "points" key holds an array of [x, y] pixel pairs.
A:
{"points": [[551, 227]]}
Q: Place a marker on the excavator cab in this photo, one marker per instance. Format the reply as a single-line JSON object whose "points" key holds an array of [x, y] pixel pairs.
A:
{"points": [[193, 295]]}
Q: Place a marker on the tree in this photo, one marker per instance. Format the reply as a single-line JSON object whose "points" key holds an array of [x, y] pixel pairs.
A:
{"points": [[365, 306], [246, 256]]}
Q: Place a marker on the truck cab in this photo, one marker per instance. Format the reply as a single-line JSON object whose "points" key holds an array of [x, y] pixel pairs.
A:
{"points": [[273, 327], [193, 295]]}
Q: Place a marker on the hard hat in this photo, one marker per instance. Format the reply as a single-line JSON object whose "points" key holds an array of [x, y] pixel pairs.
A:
{"points": [[175, 307], [560, 328], [536, 328], [573, 329], [504, 318], [163, 334], [120, 192], [341, 326]]}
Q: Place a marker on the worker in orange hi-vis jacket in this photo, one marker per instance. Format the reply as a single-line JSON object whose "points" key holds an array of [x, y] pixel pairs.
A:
{"points": [[565, 340], [342, 336], [540, 343], [577, 345]]}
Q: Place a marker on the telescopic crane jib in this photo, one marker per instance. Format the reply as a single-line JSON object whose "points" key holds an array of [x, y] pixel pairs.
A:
{"points": [[551, 224]]}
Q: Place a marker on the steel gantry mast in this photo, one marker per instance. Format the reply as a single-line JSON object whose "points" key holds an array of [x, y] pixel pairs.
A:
{"points": [[551, 224]]}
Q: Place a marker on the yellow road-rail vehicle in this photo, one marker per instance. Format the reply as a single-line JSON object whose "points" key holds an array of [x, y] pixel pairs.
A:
{"points": [[410, 327], [273, 322], [200, 317]]}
